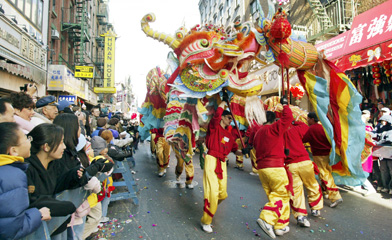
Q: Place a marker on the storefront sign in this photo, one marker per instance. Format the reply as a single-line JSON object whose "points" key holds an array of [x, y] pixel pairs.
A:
{"points": [[333, 48], [69, 98], [369, 28], [84, 72], [61, 78], [108, 82]]}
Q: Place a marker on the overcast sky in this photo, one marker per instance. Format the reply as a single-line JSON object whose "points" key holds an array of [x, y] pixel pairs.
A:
{"points": [[137, 54]]}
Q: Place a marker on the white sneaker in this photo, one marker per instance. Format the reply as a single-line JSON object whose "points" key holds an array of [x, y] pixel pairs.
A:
{"points": [[161, 174], [190, 186], [334, 204], [379, 189], [390, 192], [206, 228], [267, 228], [282, 231], [316, 213], [178, 178], [104, 219], [253, 174], [384, 190], [303, 221]]}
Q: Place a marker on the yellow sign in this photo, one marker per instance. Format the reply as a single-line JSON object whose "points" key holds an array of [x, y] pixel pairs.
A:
{"points": [[110, 39], [105, 90], [84, 72]]}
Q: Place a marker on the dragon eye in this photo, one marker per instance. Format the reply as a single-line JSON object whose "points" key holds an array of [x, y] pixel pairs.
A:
{"points": [[204, 43]]}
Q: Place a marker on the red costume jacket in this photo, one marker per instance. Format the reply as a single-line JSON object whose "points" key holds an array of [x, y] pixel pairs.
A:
{"points": [[319, 143], [293, 141], [268, 141]]}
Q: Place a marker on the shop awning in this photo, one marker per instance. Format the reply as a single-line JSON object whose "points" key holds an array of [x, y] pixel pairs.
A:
{"points": [[368, 41]]}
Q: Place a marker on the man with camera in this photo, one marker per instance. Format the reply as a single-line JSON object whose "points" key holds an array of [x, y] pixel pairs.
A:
{"points": [[270, 152]]}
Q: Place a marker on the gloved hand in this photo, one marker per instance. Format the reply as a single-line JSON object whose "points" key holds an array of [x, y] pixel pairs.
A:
{"points": [[283, 100], [225, 97], [100, 165], [246, 151]]}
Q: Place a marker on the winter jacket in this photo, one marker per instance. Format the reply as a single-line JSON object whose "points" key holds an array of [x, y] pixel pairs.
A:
{"points": [[16, 221], [44, 184], [117, 153]]}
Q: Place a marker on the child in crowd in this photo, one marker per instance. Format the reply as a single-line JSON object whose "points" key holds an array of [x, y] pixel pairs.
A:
{"points": [[16, 221]]}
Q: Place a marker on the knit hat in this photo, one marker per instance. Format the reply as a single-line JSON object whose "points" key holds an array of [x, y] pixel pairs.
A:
{"points": [[98, 144]]}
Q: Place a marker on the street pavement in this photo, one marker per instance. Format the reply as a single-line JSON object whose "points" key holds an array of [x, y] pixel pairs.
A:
{"points": [[168, 210]]}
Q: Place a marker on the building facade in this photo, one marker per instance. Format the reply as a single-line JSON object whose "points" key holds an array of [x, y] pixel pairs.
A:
{"points": [[23, 45], [77, 48]]}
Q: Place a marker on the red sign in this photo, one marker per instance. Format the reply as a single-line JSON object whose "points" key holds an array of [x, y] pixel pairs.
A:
{"points": [[369, 28], [365, 57], [333, 48]]}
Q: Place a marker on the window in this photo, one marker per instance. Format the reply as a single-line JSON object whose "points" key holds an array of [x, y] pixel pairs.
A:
{"points": [[253, 7], [31, 9]]}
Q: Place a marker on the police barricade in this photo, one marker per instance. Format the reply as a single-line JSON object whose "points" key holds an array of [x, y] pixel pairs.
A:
{"points": [[76, 196]]}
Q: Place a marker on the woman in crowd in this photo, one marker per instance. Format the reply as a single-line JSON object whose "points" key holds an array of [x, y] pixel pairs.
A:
{"points": [[24, 110], [46, 174], [16, 221]]}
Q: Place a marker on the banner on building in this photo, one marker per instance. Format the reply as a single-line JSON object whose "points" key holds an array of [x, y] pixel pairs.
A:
{"points": [[84, 72], [108, 78]]}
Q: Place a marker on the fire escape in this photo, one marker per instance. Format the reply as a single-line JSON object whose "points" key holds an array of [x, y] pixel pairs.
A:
{"points": [[330, 17], [75, 21]]}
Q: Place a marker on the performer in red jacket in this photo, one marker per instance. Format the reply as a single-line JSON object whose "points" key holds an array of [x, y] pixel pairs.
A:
{"points": [[270, 153], [321, 148], [302, 170], [220, 142]]}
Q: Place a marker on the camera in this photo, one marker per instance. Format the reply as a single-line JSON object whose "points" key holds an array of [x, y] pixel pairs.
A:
{"points": [[24, 88]]}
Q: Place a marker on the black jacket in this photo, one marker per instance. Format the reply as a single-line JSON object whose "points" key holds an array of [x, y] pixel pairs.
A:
{"points": [[117, 153], [44, 184]]}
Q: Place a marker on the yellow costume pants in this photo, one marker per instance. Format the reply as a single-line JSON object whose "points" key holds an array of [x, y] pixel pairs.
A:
{"points": [[215, 189], [163, 154], [277, 211], [253, 159], [326, 178], [239, 159], [303, 175], [152, 143], [189, 169]]}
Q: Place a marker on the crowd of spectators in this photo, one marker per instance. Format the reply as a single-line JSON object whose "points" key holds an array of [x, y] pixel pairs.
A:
{"points": [[378, 122], [48, 148]]}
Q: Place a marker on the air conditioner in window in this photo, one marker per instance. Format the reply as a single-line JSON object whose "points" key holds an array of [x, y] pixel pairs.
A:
{"points": [[55, 34]]}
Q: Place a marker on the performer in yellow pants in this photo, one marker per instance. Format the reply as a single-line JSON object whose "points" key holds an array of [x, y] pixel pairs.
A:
{"points": [[152, 143], [189, 169], [220, 143], [277, 211], [215, 189], [303, 175], [163, 155], [326, 178], [253, 161], [239, 159]]}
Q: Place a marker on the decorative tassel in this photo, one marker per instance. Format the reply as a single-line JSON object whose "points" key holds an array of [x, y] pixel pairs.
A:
{"points": [[254, 111], [284, 59]]}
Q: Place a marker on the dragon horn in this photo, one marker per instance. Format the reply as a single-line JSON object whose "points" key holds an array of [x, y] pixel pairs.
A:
{"points": [[162, 37]]}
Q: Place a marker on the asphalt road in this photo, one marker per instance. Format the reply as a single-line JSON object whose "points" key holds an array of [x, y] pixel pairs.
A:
{"points": [[167, 210]]}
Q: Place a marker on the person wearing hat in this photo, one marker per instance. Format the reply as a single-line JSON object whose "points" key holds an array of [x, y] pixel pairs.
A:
{"points": [[384, 137], [64, 106], [378, 113], [46, 110]]}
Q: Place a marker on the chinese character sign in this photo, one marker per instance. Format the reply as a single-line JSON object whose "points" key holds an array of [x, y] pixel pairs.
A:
{"points": [[110, 39], [370, 28]]}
